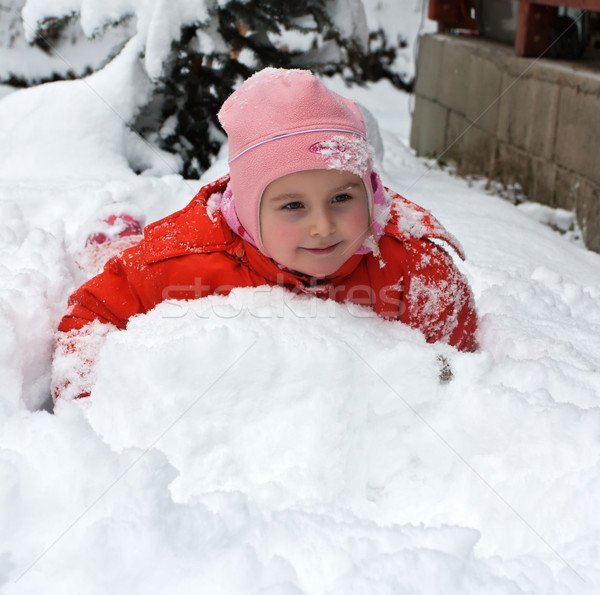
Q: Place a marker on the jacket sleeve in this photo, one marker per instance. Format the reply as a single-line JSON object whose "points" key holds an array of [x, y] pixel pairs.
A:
{"points": [[106, 302], [75, 355], [437, 298], [124, 288]]}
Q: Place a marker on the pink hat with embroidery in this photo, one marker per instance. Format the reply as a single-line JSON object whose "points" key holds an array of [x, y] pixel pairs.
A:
{"points": [[284, 121]]}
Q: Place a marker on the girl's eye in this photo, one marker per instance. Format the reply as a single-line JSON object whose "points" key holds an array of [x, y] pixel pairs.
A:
{"points": [[341, 198], [292, 206]]}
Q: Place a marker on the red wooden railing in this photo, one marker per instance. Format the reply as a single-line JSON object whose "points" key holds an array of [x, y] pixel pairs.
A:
{"points": [[533, 33], [534, 19]]}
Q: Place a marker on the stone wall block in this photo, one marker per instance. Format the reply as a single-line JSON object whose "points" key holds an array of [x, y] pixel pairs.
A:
{"points": [[454, 77], [536, 176], [455, 136], [527, 114], [578, 133], [512, 166], [483, 100], [576, 193], [428, 129], [543, 182], [507, 101], [431, 48], [570, 74], [470, 146]]}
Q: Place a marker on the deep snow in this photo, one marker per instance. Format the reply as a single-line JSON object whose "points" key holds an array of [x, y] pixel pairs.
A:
{"points": [[265, 443]]}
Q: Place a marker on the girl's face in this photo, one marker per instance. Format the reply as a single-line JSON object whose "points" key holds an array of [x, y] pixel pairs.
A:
{"points": [[313, 221]]}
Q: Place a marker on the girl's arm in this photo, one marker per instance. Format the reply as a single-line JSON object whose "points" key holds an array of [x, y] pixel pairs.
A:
{"points": [[124, 288], [105, 303], [437, 298]]}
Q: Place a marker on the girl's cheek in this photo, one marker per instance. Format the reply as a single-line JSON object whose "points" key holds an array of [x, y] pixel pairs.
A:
{"points": [[278, 228], [286, 232]]}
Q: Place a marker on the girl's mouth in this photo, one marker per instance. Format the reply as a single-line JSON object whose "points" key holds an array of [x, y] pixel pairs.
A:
{"points": [[323, 250]]}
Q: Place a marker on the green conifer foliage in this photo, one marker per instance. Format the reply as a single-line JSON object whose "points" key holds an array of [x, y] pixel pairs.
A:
{"points": [[208, 60], [197, 80]]}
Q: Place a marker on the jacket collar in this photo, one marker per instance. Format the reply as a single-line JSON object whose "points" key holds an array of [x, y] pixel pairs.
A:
{"points": [[271, 271], [192, 230]]}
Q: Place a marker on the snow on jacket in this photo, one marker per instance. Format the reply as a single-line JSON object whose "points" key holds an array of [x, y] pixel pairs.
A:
{"points": [[193, 253]]}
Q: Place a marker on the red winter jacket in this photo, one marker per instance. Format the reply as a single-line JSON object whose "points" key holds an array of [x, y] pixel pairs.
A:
{"points": [[192, 254]]}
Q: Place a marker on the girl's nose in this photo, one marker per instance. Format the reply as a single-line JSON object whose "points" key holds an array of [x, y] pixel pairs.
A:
{"points": [[322, 224]]}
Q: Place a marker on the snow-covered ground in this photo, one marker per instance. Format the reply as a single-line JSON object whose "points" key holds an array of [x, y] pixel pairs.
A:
{"points": [[264, 443]]}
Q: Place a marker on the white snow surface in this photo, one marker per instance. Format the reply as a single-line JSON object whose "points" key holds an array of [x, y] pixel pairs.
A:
{"points": [[266, 443]]}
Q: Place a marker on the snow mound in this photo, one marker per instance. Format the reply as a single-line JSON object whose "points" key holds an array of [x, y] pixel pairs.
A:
{"points": [[79, 129], [256, 377], [34, 276], [241, 429], [267, 442]]}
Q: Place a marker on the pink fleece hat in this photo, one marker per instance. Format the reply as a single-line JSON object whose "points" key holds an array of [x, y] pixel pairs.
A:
{"points": [[284, 121]]}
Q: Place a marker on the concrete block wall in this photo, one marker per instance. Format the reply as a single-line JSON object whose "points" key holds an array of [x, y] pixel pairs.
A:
{"points": [[535, 122]]}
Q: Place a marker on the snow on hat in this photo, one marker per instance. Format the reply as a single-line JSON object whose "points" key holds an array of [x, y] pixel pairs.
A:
{"points": [[284, 121]]}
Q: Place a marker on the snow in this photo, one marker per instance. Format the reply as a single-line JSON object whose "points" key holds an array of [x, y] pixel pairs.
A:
{"points": [[155, 25], [270, 443], [83, 122], [404, 21]]}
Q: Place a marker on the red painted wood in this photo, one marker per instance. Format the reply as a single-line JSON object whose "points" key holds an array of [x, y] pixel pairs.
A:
{"points": [[444, 11], [450, 14], [533, 27], [583, 4], [533, 21]]}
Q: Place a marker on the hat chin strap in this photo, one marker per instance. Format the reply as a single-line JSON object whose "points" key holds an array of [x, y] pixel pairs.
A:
{"points": [[228, 210]]}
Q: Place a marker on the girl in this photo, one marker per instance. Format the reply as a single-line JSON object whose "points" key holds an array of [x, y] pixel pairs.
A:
{"points": [[301, 208]]}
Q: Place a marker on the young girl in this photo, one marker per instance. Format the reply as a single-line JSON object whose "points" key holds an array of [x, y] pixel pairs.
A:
{"points": [[301, 208]]}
